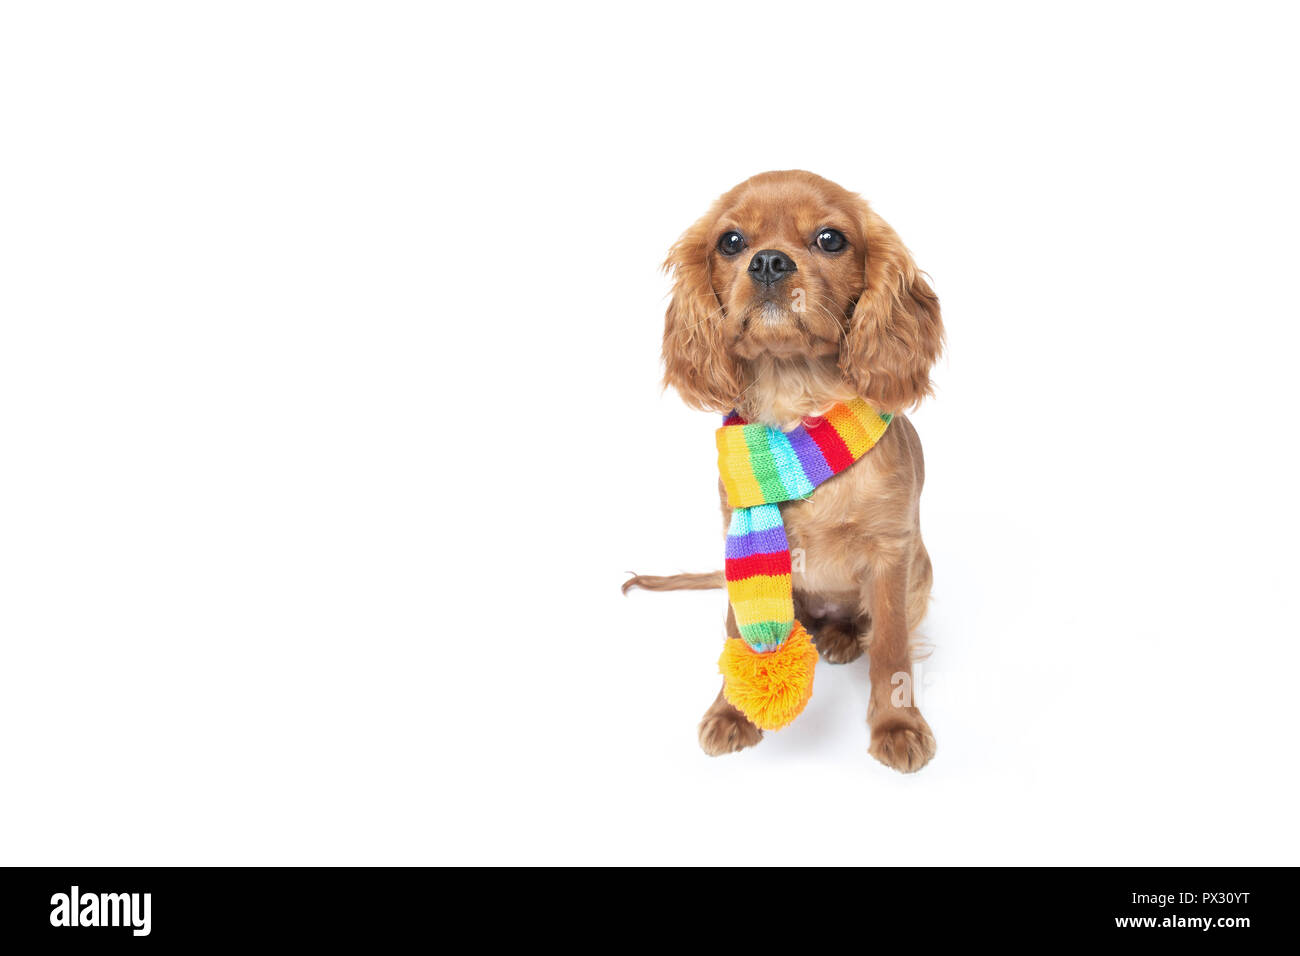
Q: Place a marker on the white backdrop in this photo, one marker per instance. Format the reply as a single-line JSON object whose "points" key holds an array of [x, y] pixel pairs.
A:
{"points": [[330, 423]]}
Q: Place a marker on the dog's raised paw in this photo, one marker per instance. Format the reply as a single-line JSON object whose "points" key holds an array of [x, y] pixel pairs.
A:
{"points": [[907, 747], [727, 732]]}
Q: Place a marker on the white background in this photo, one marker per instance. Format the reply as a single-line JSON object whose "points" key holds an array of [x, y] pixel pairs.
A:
{"points": [[330, 424]]}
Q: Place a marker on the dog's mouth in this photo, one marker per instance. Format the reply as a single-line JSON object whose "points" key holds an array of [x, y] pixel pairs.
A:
{"points": [[770, 313], [775, 312], [773, 326]]}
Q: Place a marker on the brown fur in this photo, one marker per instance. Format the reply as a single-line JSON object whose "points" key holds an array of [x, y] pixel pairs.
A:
{"points": [[707, 581], [869, 326]]}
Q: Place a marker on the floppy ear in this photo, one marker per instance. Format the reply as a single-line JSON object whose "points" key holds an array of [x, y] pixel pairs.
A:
{"points": [[896, 332], [696, 361]]}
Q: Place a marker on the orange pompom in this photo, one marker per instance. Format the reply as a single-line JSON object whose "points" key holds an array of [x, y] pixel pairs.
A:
{"points": [[770, 689]]}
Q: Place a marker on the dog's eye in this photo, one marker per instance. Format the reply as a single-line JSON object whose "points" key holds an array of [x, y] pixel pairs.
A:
{"points": [[731, 243], [831, 240]]}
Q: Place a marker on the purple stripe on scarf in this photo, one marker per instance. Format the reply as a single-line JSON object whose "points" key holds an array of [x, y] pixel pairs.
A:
{"points": [[810, 456], [771, 541]]}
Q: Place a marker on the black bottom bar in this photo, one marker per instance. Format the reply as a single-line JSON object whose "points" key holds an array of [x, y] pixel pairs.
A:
{"points": [[136, 906]]}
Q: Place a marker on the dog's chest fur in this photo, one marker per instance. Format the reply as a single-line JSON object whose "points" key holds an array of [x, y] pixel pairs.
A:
{"points": [[861, 519]]}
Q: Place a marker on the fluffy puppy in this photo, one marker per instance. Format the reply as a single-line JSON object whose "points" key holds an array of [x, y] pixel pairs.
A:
{"points": [[790, 295]]}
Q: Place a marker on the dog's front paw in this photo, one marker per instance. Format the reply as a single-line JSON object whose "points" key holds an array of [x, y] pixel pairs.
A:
{"points": [[725, 730], [904, 743]]}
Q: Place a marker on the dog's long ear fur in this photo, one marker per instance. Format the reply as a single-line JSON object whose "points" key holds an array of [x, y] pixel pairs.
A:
{"points": [[696, 361], [896, 333]]}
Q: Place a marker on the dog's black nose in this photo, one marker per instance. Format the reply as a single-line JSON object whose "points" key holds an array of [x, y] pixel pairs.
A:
{"points": [[770, 266]]}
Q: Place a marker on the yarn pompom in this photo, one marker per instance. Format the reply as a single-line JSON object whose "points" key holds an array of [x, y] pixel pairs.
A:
{"points": [[770, 689]]}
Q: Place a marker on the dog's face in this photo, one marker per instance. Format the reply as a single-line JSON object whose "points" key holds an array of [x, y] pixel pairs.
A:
{"points": [[787, 269], [788, 265]]}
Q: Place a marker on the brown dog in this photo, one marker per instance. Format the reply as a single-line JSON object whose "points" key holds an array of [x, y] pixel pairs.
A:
{"points": [[790, 295]]}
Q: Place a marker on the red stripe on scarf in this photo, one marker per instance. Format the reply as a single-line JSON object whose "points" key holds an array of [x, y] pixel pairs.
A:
{"points": [[740, 568], [832, 445]]}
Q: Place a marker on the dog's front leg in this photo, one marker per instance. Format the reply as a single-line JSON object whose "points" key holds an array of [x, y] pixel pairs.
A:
{"points": [[900, 737], [724, 729]]}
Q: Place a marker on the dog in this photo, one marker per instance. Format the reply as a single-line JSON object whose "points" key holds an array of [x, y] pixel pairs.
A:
{"points": [[791, 295]]}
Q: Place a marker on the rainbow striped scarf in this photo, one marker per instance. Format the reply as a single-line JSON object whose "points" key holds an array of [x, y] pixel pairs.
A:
{"points": [[768, 673]]}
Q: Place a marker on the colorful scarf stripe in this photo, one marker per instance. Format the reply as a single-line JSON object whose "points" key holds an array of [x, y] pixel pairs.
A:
{"points": [[761, 467], [758, 576]]}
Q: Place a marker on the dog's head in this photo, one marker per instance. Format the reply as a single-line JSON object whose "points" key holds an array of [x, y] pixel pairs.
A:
{"points": [[788, 265]]}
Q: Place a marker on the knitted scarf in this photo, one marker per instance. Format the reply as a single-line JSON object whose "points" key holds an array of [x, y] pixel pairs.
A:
{"points": [[768, 672]]}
